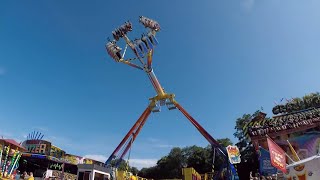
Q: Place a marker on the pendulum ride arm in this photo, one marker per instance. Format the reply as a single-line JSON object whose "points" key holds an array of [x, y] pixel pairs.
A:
{"points": [[214, 143], [147, 67], [133, 132], [154, 80], [149, 60], [204, 133]]}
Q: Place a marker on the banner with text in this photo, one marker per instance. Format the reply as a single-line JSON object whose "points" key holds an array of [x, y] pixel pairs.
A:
{"points": [[277, 156]]}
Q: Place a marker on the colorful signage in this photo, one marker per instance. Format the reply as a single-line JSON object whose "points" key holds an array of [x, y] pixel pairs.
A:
{"points": [[38, 156], [37, 146], [56, 152], [9, 162], [277, 156], [233, 154], [72, 159], [55, 166], [305, 145], [88, 161], [265, 163], [42, 149]]}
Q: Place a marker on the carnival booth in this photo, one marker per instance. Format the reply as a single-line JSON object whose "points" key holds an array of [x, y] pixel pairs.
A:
{"points": [[288, 144], [92, 172], [47, 161], [10, 153], [304, 169]]}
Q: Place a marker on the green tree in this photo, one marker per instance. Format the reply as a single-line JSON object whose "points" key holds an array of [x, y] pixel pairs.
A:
{"points": [[122, 164], [224, 142], [196, 157], [169, 167], [175, 161], [249, 159], [150, 173], [134, 170], [244, 144]]}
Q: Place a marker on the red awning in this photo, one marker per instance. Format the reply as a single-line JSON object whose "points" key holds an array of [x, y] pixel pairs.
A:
{"points": [[15, 143]]}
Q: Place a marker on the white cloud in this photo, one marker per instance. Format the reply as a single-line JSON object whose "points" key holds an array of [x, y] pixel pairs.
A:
{"points": [[248, 4], [138, 163], [153, 140], [96, 157], [40, 128], [142, 163], [62, 142], [163, 146], [157, 143]]}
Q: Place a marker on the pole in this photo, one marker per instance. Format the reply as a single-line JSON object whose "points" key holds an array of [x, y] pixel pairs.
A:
{"points": [[5, 159], [1, 150], [135, 134], [155, 82], [138, 122], [295, 155], [14, 164], [289, 157], [213, 158], [62, 172]]}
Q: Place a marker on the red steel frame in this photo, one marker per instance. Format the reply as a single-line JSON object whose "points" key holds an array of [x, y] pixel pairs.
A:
{"points": [[161, 96]]}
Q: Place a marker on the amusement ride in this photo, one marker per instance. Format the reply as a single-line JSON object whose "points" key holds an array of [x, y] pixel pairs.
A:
{"points": [[143, 49]]}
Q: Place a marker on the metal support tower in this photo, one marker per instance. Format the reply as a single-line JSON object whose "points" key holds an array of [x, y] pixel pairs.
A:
{"points": [[143, 50]]}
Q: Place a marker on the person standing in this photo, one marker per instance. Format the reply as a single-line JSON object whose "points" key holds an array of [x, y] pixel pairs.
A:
{"points": [[25, 175], [17, 177], [30, 176]]}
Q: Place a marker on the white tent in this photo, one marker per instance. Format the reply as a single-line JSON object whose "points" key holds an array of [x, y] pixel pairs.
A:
{"points": [[305, 169]]}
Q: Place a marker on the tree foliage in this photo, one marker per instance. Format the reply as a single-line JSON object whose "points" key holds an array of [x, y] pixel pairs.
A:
{"points": [[169, 167], [123, 166], [296, 104], [249, 159], [224, 142], [134, 170]]}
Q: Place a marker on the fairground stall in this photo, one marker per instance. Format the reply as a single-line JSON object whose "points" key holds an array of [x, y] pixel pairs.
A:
{"points": [[295, 133], [93, 172], [46, 160], [10, 153]]}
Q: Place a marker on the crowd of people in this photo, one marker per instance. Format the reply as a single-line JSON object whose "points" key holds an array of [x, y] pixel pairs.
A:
{"points": [[24, 176], [257, 176], [281, 123]]}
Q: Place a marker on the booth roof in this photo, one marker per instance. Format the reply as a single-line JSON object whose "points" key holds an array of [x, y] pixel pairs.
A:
{"points": [[303, 161], [278, 121], [15, 143]]}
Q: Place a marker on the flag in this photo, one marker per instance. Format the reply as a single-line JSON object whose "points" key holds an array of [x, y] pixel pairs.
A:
{"points": [[277, 156]]}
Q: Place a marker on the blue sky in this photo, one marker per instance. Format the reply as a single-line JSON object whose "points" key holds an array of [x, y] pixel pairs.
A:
{"points": [[221, 58]]}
